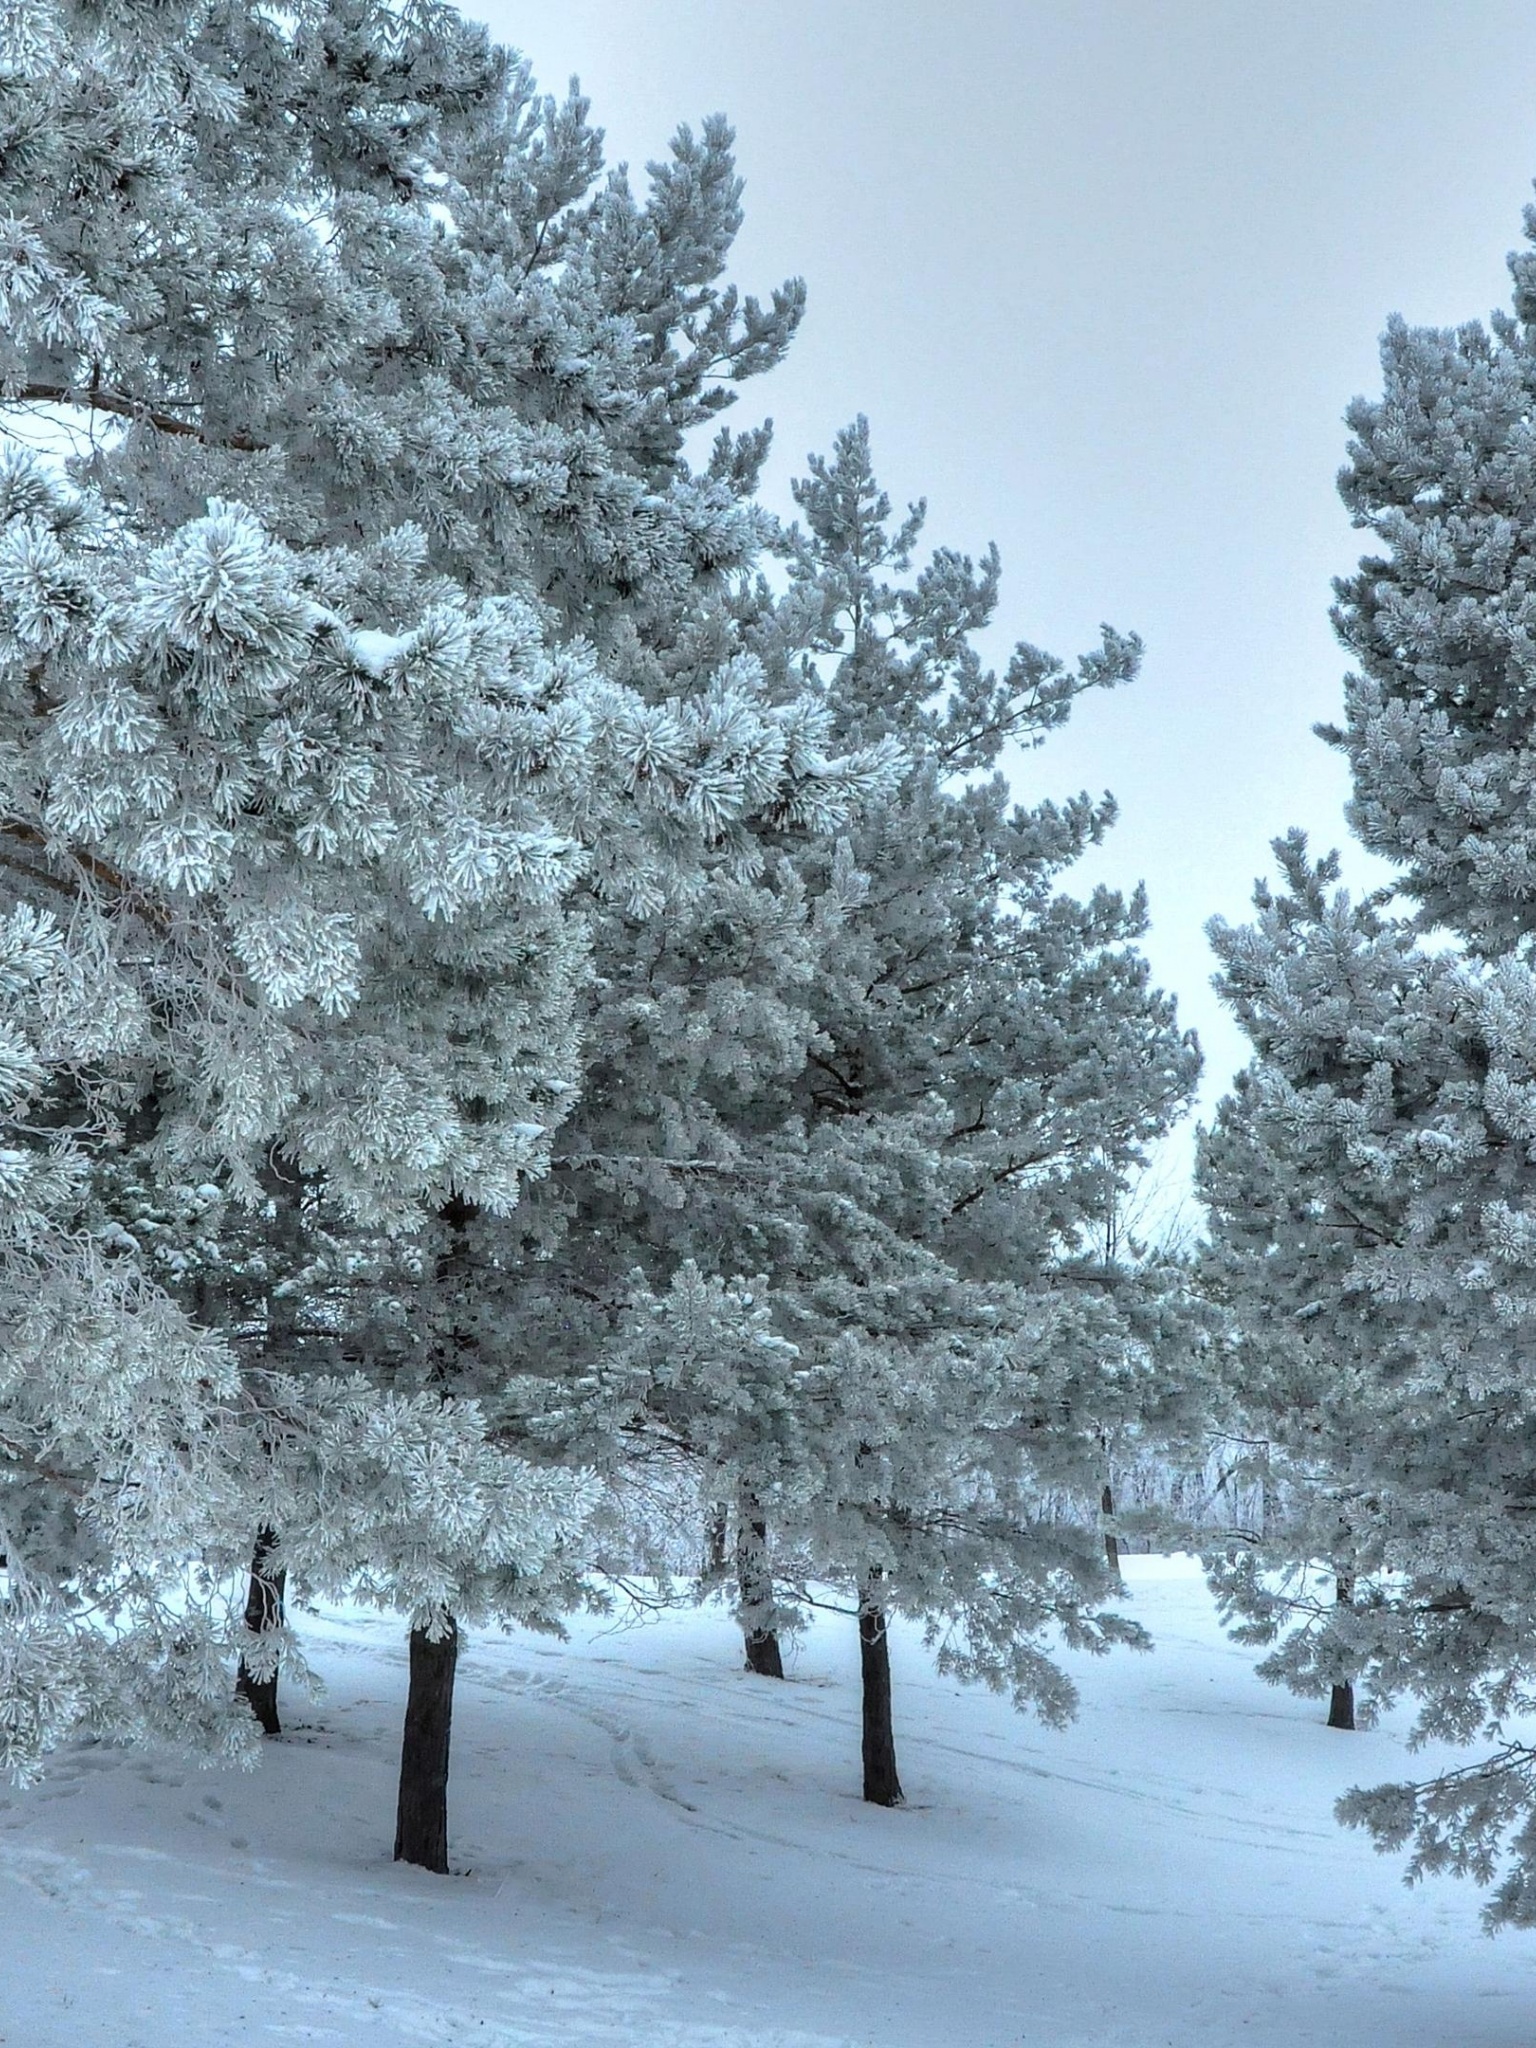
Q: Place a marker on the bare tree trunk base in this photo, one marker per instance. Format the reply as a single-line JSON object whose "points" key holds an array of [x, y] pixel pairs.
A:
{"points": [[1341, 1706], [260, 1695], [421, 1823], [882, 1787], [764, 1655], [754, 1578]]}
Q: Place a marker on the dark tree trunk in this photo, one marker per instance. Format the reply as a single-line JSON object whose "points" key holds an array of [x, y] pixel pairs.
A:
{"points": [[755, 1578], [421, 1824], [421, 1816], [882, 1787], [263, 1612], [1341, 1703], [1111, 1540], [764, 1656]]}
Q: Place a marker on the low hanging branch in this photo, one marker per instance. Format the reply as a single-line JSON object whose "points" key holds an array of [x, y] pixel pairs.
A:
{"points": [[100, 871], [98, 398]]}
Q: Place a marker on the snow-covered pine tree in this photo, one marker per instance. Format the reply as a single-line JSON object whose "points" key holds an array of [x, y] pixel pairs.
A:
{"points": [[1388, 1102], [153, 693], [698, 1027], [1348, 1021], [1431, 1106], [295, 719], [1436, 731], [817, 1210], [120, 310], [993, 1062]]}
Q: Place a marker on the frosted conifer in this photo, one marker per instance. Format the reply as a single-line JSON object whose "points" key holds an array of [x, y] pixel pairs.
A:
{"points": [[1392, 1091], [809, 1234], [342, 658]]}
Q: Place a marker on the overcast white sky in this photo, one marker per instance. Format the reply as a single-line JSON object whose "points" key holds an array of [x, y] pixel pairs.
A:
{"points": [[1104, 274]]}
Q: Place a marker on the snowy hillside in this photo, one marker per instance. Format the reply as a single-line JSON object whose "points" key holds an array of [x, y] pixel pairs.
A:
{"points": [[659, 1849]]}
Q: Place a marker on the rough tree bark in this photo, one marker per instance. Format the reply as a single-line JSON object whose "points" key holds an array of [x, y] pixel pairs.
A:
{"points": [[754, 1576], [263, 1612], [421, 1816], [1341, 1703], [882, 1787], [1111, 1540], [421, 1820]]}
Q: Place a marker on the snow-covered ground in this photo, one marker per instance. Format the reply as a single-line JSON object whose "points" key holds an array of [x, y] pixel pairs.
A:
{"points": [[658, 1848]]}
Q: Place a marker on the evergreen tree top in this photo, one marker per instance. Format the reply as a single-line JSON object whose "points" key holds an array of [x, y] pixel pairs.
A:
{"points": [[1437, 726]]}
